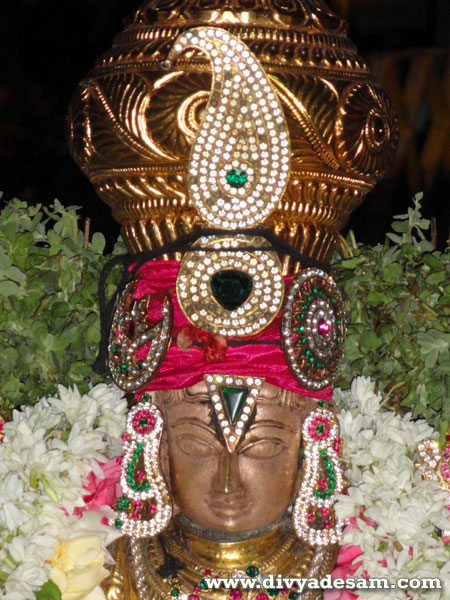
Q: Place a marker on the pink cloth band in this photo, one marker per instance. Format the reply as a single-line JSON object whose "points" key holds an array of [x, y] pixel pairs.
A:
{"points": [[260, 355]]}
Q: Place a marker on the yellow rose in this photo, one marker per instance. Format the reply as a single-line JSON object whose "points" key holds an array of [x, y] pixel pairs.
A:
{"points": [[77, 568]]}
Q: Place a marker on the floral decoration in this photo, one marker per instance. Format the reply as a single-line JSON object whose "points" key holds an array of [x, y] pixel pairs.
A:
{"points": [[395, 516], [55, 488]]}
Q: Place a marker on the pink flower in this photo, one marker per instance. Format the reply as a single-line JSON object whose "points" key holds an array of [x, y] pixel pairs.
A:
{"points": [[102, 492], [345, 568]]}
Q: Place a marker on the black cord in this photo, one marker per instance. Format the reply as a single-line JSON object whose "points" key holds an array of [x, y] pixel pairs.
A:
{"points": [[171, 565], [183, 244]]}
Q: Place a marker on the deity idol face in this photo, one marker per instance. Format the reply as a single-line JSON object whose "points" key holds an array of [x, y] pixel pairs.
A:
{"points": [[244, 489]]}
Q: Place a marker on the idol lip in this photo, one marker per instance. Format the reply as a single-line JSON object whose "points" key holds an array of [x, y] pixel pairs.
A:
{"points": [[229, 508]]}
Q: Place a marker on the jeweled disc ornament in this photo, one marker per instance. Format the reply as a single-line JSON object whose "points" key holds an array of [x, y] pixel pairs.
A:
{"points": [[234, 400], [137, 344], [313, 328], [145, 508], [240, 159], [229, 291]]}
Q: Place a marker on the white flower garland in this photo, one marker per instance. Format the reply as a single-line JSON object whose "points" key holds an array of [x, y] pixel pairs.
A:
{"points": [[380, 450], [46, 455], [49, 450]]}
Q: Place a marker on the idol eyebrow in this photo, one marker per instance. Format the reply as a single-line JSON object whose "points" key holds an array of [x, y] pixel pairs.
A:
{"points": [[271, 423], [191, 421]]}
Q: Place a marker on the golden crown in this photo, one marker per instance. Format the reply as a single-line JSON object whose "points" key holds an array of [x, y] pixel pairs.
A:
{"points": [[134, 118]]}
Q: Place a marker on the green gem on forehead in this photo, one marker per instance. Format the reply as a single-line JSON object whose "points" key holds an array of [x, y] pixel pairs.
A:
{"points": [[237, 178], [234, 400]]}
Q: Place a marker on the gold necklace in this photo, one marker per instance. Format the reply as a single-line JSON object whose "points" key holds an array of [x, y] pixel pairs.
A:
{"points": [[147, 555]]}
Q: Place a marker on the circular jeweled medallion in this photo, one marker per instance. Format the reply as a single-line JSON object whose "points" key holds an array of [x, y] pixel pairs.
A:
{"points": [[313, 328], [225, 288]]}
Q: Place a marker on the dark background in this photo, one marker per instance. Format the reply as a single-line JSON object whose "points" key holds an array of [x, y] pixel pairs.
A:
{"points": [[47, 46]]}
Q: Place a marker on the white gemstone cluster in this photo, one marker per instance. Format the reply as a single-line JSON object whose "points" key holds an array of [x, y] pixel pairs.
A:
{"points": [[127, 372], [220, 254], [434, 463], [157, 488], [243, 131], [306, 502], [429, 452], [232, 433]]}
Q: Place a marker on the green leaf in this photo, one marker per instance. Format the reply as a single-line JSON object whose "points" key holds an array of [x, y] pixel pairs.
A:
{"points": [[370, 340], [5, 262], [438, 277], [98, 243], [433, 344], [8, 288], [432, 261], [14, 274], [49, 591]]}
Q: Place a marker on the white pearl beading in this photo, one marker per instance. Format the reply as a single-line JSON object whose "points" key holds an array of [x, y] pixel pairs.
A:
{"points": [[158, 489], [243, 128], [233, 433], [306, 500], [196, 298]]}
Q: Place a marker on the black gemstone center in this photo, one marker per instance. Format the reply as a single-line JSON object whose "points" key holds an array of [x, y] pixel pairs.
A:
{"points": [[231, 288]]}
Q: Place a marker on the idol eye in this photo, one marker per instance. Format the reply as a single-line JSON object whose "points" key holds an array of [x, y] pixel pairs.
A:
{"points": [[263, 449], [194, 446]]}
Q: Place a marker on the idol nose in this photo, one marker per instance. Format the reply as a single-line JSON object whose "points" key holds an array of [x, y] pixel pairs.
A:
{"points": [[229, 480]]}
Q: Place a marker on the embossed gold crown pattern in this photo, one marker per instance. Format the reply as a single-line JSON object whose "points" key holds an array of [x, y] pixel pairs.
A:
{"points": [[131, 124]]}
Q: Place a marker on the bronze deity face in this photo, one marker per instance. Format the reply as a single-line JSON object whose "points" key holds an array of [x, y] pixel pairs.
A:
{"points": [[248, 488]]}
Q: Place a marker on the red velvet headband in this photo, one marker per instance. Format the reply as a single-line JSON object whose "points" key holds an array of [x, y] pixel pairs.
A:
{"points": [[193, 352]]}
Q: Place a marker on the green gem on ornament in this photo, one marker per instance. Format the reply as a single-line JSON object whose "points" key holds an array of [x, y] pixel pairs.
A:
{"points": [[252, 571], [118, 523], [293, 596], [203, 584], [237, 178], [231, 288], [143, 422], [174, 592], [273, 592]]}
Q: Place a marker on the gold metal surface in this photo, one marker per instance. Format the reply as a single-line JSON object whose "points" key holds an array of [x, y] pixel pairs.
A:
{"points": [[277, 551], [131, 124]]}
